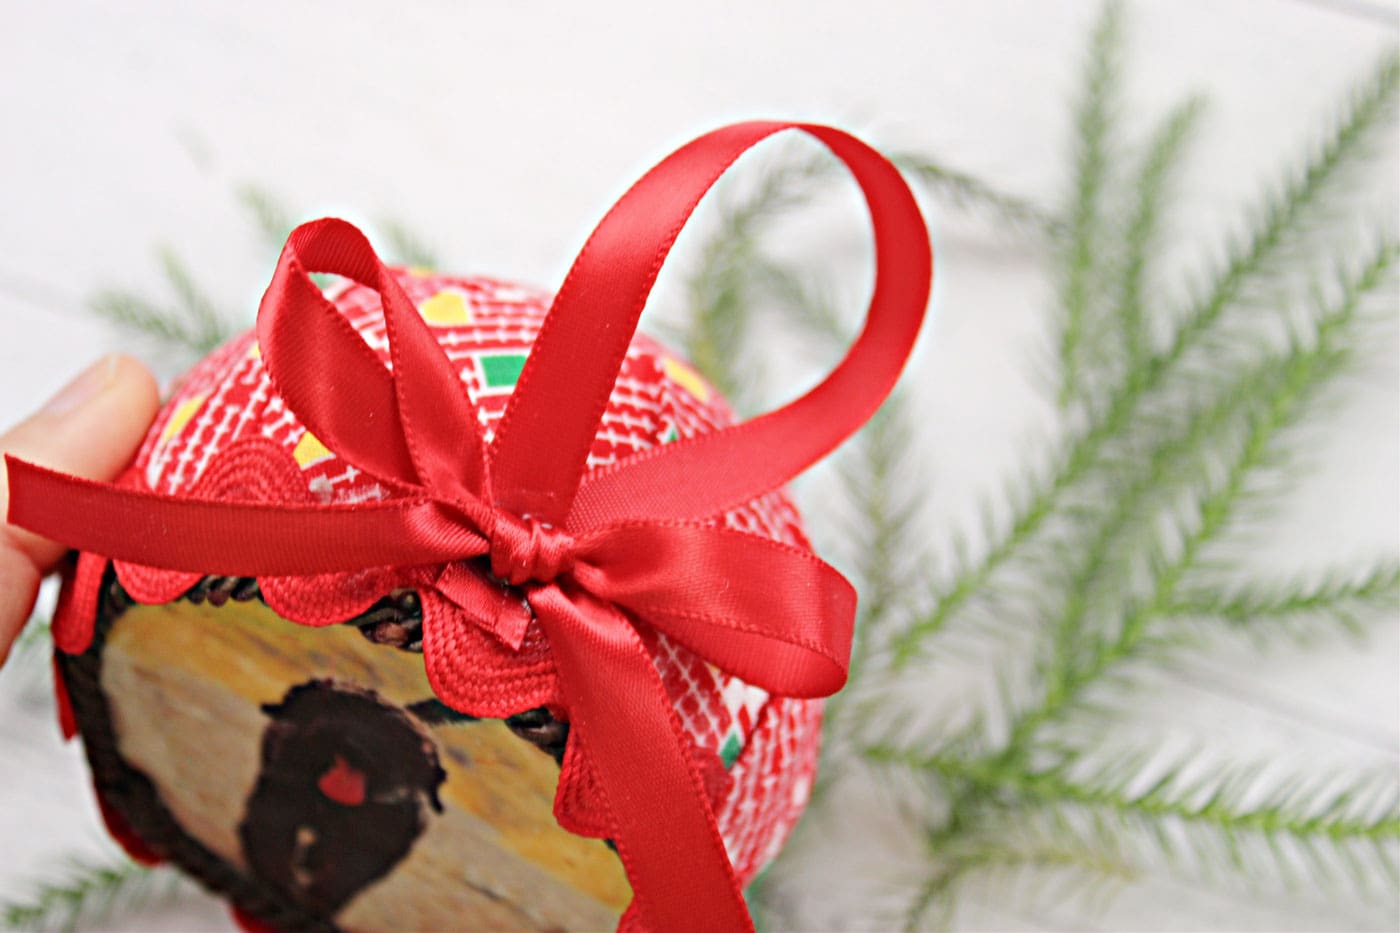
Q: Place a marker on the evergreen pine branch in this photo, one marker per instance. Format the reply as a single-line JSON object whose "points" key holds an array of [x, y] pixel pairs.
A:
{"points": [[720, 292], [208, 326], [733, 268], [1301, 375], [953, 850], [805, 303], [1082, 248], [34, 634], [1141, 239], [1335, 820], [1086, 660], [960, 189], [273, 221], [759, 896], [884, 548], [888, 548], [886, 555], [193, 325], [998, 856], [1173, 460], [1283, 216], [86, 891], [1336, 597], [938, 888], [404, 247], [965, 190]]}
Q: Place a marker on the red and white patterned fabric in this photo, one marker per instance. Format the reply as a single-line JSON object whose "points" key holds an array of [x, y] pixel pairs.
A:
{"points": [[761, 750]]}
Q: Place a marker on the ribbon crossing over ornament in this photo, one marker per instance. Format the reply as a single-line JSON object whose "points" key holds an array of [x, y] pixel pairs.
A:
{"points": [[597, 555]]}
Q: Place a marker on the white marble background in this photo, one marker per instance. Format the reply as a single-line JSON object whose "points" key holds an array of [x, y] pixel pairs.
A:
{"points": [[501, 131]]}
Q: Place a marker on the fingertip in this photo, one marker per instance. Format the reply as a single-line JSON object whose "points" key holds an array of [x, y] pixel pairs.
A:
{"points": [[19, 585], [92, 428], [137, 388]]}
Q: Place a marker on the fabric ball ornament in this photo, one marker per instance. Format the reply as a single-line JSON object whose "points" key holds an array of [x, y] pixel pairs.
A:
{"points": [[439, 603]]}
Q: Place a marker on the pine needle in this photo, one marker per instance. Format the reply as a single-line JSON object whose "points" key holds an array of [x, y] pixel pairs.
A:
{"points": [[1332, 820], [1174, 459], [1005, 862], [963, 190], [34, 634], [1336, 598], [87, 891], [192, 326], [887, 551], [403, 247], [1095, 112], [884, 546], [275, 222], [270, 216], [1142, 238], [730, 269], [886, 556]]}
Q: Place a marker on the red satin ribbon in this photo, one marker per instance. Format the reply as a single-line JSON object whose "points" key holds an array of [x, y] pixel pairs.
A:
{"points": [[597, 556]]}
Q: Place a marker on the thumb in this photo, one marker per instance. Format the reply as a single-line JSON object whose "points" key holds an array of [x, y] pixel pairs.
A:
{"points": [[91, 428]]}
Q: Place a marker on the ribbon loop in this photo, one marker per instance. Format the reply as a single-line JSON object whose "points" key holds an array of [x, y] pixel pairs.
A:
{"points": [[541, 446], [416, 427]]}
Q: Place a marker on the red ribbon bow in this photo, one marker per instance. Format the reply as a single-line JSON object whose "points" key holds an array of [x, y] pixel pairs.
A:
{"points": [[597, 556]]}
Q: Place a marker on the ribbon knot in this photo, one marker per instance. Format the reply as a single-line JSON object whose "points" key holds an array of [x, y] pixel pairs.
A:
{"points": [[528, 550]]}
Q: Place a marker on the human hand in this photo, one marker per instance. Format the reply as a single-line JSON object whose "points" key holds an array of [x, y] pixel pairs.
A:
{"points": [[91, 428]]}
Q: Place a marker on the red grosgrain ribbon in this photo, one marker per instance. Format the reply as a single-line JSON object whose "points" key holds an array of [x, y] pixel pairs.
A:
{"points": [[598, 557]]}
